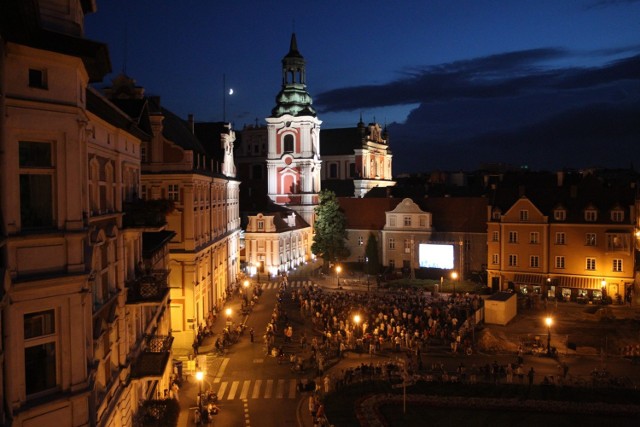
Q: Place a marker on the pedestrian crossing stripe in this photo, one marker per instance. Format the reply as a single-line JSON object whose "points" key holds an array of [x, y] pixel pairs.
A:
{"points": [[291, 285], [243, 390]]}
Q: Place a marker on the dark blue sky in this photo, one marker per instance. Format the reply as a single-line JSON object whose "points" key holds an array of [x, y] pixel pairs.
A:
{"points": [[543, 83]]}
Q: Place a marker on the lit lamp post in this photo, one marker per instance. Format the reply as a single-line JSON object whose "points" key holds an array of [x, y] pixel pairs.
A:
{"points": [[200, 377], [338, 270], [604, 289], [454, 277], [228, 312], [356, 319], [548, 320]]}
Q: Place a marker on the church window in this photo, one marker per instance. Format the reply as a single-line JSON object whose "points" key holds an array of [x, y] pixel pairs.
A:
{"points": [[288, 143]]}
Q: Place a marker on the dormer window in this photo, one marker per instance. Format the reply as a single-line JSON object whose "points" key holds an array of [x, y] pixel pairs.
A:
{"points": [[591, 215], [496, 214], [617, 215], [560, 215]]}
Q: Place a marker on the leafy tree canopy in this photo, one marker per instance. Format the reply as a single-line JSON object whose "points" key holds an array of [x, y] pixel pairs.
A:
{"points": [[330, 237], [372, 266]]}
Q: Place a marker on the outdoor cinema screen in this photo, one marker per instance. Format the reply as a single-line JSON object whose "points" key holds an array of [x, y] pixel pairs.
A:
{"points": [[436, 256]]}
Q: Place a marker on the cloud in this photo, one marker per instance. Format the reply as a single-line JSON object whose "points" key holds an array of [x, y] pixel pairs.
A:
{"points": [[514, 107]]}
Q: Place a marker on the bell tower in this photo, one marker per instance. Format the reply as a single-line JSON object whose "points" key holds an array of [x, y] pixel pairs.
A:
{"points": [[293, 159]]}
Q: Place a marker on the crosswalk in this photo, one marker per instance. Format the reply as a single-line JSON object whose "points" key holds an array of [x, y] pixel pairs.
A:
{"points": [[292, 285], [257, 389]]}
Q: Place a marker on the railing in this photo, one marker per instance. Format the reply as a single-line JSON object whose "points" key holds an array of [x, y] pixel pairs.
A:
{"points": [[151, 286], [153, 357]]}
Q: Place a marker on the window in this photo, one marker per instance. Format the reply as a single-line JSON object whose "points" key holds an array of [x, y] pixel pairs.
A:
{"points": [[496, 236], [333, 170], [407, 245], [288, 143], [560, 239], [617, 242], [392, 264], [260, 225], [407, 221], [560, 215], [617, 216], [513, 260], [392, 221], [38, 78], [392, 243], [591, 215], [360, 241], [360, 259], [36, 184], [352, 170], [40, 366], [495, 214], [534, 261], [617, 265], [524, 215], [559, 262], [495, 258], [173, 192], [590, 239], [534, 237], [513, 237], [591, 264], [143, 153], [423, 221]]}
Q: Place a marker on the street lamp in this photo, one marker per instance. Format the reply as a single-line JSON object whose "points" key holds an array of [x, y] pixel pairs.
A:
{"points": [[454, 277], [200, 377], [338, 270], [356, 319], [548, 320]]}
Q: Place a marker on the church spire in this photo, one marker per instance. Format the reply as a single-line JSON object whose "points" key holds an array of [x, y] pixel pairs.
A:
{"points": [[293, 98]]}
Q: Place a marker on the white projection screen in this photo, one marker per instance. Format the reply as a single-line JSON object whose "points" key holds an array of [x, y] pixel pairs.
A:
{"points": [[435, 256]]}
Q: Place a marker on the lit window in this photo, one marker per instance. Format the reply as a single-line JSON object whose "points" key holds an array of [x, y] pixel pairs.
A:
{"points": [[618, 242], [590, 239], [360, 241], [495, 259]]}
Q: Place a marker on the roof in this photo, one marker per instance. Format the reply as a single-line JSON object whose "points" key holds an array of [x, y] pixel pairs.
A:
{"points": [[366, 214], [501, 296], [106, 110], [457, 214]]}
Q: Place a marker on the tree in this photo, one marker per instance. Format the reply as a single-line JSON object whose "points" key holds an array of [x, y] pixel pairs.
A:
{"points": [[330, 233], [372, 264]]}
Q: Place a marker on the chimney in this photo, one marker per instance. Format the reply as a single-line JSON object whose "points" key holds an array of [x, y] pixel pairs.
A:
{"points": [[191, 124], [560, 177]]}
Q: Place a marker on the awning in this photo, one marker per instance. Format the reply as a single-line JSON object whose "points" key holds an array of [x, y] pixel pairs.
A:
{"points": [[580, 282], [529, 279]]}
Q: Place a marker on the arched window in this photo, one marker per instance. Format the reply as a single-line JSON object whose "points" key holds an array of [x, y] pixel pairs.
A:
{"points": [[288, 143]]}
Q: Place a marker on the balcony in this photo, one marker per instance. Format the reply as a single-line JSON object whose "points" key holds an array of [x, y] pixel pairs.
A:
{"points": [[152, 360], [147, 214], [156, 413], [150, 287]]}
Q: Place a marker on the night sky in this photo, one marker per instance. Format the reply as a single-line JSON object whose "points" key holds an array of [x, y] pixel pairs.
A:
{"points": [[542, 83]]}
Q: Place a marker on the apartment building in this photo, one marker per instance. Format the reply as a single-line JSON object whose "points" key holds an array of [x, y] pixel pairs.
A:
{"points": [[564, 236]]}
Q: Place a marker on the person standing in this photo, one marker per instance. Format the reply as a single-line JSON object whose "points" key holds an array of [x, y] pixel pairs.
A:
{"points": [[531, 375], [251, 333]]}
